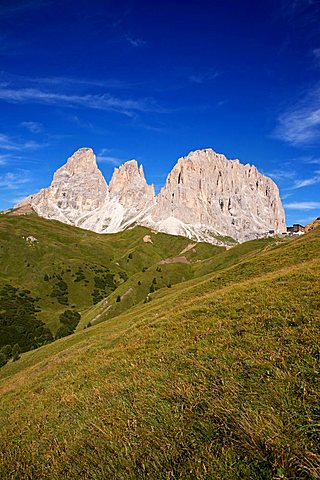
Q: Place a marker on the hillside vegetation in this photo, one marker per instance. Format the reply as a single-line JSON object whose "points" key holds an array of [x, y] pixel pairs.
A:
{"points": [[61, 269], [213, 378]]}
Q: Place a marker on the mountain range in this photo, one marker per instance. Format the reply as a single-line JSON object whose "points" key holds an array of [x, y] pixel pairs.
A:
{"points": [[206, 197]]}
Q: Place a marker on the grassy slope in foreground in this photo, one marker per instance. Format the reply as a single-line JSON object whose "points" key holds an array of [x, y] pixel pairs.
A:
{"points": [[216, 381]]}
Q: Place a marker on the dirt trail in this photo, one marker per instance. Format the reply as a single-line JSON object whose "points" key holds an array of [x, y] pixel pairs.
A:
{"points": [[181, 259], [188, 248]]}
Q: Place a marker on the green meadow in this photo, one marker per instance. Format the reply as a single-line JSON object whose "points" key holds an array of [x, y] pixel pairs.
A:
{"points": [[200, 368]]}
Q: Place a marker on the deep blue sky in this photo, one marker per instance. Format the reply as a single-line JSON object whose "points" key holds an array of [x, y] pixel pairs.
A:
{"points": [[155, 80]]}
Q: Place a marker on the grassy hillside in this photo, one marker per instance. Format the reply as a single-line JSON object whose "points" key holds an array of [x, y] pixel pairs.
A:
{"points": [[214, 378], [163, 275], [61, 267]]}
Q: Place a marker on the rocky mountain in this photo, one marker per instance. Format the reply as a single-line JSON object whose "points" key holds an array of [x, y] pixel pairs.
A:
{"points": [[206, 197], [212, 195], [313, 225], [77, 188]]}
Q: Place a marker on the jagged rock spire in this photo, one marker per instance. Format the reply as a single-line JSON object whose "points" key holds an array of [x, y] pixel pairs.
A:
{"points": [[129, 186]]}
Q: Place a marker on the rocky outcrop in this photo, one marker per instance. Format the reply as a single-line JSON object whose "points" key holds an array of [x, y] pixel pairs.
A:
{"points": [[206, 197], [218, 196], [313, 225], [128, 185], [77, 189]]}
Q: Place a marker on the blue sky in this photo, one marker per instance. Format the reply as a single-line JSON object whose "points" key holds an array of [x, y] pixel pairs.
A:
{"points": [[155, 80]]}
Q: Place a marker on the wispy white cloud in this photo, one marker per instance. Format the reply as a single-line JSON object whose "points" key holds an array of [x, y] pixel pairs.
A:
{"points": [[301, 10], [111, 83], [301, 123], [10, 8], [104, 157], [135, 42], [109, 159], [221, 103], [63, 82], [4, 158], [6, 143], [302, 205], [284, 196], [33, 127], [308, 181], [280, 174], [10, 144], [316, 53], [290, 176], [103, 101], [77, 120], [315, 161], [17, 199], [14, 180], [304, 220], [200, 78]]}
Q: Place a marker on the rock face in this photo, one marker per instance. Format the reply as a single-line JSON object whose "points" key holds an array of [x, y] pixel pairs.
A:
{"points": [[128, 185], [77, 188], [313, 225], [206, 197], [210, 192]]}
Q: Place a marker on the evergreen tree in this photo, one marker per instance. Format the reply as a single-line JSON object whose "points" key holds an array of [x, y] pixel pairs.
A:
{"points": [[16, 352]]}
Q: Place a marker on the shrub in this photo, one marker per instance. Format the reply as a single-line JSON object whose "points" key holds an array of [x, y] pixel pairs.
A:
{"points": [[118, 298], [69, 320], [124, 276], [3, 359], [7, 350], [79, 275], [16, 352], [16, 349], [62, 285], [64, 331], [68, 317], [96, 296], [105, 281], [18, 321]]}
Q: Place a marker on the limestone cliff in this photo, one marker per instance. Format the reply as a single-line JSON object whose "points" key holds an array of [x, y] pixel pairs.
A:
{"points": [[208, 191], [77, 189], [129, 186]]}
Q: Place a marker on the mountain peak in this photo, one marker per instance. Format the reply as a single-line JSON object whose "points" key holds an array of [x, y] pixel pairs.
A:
{"points": [[129, 185], [77, 188], [208, 191], [82, 161]]}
